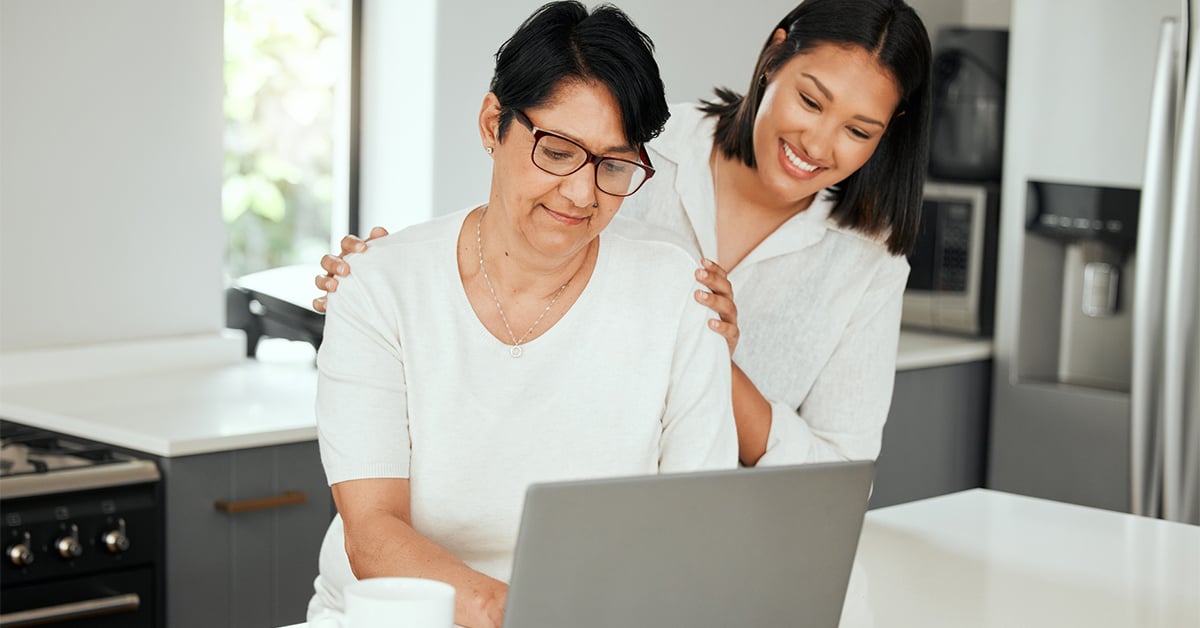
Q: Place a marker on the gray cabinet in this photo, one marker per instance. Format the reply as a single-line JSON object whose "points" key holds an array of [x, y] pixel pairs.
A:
{"points": [[935, 439], [240, 549]]}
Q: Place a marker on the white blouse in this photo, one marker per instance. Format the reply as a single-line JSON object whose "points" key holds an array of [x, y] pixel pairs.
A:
{"points": [[818, 305]]}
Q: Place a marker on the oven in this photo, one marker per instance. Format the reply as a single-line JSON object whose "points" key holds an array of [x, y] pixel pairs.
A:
{"points": [[81, 525]]}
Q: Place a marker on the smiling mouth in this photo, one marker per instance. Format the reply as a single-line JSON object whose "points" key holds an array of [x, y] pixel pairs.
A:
{"points": [[796, 161], [566, 219]]}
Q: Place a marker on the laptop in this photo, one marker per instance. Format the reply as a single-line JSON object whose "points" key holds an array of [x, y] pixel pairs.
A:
{"points": [[747, 547]]}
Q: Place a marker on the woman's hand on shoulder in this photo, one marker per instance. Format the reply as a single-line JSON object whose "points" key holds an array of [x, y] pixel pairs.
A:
{"points": [[335, 266], [719, 298]]}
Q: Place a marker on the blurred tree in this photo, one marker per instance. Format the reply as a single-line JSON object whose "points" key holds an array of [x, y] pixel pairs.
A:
{"points": [[282, 59]]}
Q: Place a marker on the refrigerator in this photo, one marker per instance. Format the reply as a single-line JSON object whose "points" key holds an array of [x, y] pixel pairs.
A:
{"points": [[1096, 394]]}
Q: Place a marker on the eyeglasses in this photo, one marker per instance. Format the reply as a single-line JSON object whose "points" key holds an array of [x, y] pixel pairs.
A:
{"points": [[560, 156]]}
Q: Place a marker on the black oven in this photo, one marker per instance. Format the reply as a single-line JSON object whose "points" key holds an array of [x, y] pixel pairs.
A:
{"points": [[81, 525]]}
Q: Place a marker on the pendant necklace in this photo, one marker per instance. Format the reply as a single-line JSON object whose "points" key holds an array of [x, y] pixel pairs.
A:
{"points": [[516, 350]]}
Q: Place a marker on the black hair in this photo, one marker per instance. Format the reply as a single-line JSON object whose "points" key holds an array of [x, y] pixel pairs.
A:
{"points": [[884, 196], [562, 41]]}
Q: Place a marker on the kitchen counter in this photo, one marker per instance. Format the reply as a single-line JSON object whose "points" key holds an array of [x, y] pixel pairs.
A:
{"points": [[180, 397], [210, 398], [919, 350], [983, 558]]}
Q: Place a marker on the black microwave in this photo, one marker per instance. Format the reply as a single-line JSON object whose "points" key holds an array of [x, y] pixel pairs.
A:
{"points": [[952, 277]]}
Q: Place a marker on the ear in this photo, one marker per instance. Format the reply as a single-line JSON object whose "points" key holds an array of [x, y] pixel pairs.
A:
{"points": [[778, 36], [489, 121]]}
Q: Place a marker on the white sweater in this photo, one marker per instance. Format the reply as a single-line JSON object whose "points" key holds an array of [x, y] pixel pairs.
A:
{"points": [[818, 305], [411, 385]]}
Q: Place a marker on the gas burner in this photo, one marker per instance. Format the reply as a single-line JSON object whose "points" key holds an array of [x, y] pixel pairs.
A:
{"points": [[25, 450]]}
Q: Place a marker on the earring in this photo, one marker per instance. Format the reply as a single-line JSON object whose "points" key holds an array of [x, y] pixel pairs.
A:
{"points": [[487, 149], [595, 205]]}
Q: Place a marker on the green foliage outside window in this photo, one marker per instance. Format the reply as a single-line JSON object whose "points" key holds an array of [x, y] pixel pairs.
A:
{"points": [[282, 65]]}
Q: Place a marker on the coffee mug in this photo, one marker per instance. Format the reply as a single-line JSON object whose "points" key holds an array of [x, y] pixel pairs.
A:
{"points": [[398, 603]]}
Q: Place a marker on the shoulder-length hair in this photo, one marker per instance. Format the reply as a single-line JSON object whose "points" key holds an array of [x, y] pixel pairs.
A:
{"points": [[884, 196]]}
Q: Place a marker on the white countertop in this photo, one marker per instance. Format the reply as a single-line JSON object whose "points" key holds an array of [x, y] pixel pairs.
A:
{"points": [[207, 401], [179, 397], [919, 350], [985, 559]]}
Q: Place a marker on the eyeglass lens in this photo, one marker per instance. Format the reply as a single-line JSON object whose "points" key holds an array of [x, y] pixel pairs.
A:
{"points": [[560, 156]]}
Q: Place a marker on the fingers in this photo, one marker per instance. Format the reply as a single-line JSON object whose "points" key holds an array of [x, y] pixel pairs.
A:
{"points": [[326, 283], [351, 244], [376, 232], [719, 298], [319, 304], [334, 265]]}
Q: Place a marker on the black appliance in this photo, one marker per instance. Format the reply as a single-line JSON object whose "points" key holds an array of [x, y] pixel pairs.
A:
{"points": [[970, 67], [275, 303], [82, 531]]}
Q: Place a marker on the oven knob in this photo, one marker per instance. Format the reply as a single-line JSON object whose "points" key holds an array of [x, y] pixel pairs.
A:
{"points": [[68, 547], [116, 541], [20, 554]]}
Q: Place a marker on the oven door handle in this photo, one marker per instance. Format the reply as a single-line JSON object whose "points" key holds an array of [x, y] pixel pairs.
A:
{"points": [[126, 603]]}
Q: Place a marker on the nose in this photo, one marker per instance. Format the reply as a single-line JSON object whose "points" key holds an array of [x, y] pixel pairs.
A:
{"points": [[579, 187], [818, 141]]}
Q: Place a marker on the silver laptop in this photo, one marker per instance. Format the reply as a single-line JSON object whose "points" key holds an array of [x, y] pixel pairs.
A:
{"points": [[748, 547]]}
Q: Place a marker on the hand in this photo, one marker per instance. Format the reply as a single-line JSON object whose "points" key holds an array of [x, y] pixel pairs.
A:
{"points": [[335, 267], [719, 298], [482, 604]]}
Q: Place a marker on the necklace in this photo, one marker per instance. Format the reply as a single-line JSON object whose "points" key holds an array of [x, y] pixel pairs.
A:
{"points": [[516, 350]]}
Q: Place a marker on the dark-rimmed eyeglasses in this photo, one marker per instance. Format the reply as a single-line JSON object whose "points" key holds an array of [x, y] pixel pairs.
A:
{"points": [[557, 155]]}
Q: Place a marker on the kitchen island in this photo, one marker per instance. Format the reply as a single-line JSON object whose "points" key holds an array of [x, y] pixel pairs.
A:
{"points": [[984, 559]]}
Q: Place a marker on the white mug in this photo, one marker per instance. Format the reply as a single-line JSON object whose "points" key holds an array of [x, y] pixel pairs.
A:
{"points": [[398, 603]]}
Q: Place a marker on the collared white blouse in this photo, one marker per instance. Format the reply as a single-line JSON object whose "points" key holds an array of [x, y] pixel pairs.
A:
{"points": [[818, 305]]}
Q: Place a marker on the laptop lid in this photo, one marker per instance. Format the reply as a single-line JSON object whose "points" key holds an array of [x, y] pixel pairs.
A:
{"points": [[746, 547]]}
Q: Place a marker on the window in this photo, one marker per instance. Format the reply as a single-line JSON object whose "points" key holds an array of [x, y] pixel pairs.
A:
{"points": [[288, 120]]}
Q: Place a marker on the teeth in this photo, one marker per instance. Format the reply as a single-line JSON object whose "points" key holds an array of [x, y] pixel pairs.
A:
{"points": [[796, 161]]}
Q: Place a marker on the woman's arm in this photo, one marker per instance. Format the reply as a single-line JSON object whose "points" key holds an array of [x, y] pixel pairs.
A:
{"points": [[843, 415], [380, 541], [362, 427]]}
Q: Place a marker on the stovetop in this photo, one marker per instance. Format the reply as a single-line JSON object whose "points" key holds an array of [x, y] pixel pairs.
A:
{"points": [[34, 460]]}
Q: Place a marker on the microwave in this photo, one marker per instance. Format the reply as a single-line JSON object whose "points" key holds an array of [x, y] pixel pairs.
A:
{"points": [[952, 268]]}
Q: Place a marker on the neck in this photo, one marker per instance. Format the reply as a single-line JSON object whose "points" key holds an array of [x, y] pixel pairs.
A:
{"points": [[515, 269]]}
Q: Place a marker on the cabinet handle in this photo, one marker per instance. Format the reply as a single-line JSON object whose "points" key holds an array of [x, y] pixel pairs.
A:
{"points": [[287, 498]]}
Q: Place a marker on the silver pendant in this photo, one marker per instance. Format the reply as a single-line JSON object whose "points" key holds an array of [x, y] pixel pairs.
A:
{"points": [[515, 351]]}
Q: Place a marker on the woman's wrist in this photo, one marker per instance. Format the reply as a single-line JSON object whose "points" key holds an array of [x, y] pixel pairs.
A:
{"points": [[752, 414]]}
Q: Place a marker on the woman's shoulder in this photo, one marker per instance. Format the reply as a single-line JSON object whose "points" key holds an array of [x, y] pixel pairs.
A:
{"points": [[651, 243], [864, 252], [408, 250], [687, 127]]}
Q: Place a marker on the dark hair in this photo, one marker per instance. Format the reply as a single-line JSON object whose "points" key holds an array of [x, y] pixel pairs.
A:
{"points": [[561, 42], [884, 196]]}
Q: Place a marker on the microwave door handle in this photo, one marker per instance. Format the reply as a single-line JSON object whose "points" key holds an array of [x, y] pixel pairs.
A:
{"points": [[1145, 444]]}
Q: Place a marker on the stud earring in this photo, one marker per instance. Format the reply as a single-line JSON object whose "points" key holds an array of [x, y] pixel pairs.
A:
{"points": [[595, 205], [488, 150]]}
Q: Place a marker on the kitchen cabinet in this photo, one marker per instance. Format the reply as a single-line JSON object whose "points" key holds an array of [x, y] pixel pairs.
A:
{"points": [[239, 551], [935, 439]]}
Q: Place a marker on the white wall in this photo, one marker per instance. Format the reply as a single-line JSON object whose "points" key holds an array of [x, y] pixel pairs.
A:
{"points": [[110, 170], [469, 31], [987, 13]]}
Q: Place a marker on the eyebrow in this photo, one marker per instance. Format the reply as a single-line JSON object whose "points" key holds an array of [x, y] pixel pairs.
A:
{"points": [[617, 148], [829, 96]]}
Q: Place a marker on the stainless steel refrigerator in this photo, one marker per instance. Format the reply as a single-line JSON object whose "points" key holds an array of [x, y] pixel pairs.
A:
{"points": [[1096, 398]]}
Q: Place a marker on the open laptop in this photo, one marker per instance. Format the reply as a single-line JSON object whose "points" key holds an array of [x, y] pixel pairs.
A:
{"points": [[747, 547]]}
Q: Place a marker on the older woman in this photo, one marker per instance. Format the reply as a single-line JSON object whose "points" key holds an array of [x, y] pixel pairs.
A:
{"points": [[533, 338]]}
